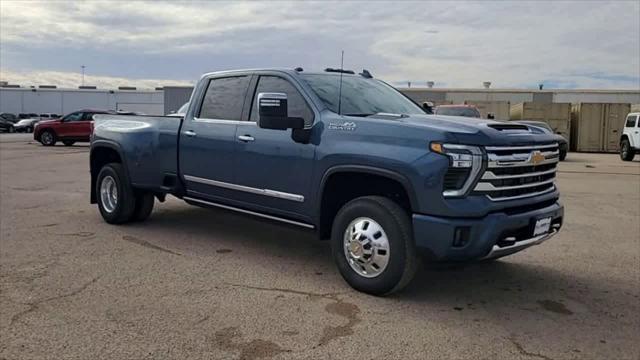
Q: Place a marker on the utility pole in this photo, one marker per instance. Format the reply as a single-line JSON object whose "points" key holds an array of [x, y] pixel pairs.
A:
{"points": [[82, 66]]}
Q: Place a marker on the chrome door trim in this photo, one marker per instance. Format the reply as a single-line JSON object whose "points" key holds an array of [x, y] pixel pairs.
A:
{"points": [[254, 213], [265, 192], [218, 121]]}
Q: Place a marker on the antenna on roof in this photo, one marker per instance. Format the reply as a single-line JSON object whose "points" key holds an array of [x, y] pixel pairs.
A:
{"points": [[340, 91]]}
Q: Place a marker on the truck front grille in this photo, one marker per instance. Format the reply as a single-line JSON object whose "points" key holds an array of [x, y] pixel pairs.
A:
{"points": [[515, 172]]}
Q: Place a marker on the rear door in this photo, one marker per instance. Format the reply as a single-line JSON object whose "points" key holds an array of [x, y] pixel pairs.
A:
{"points": [[272, 170], [82, 129], [207, 138]]}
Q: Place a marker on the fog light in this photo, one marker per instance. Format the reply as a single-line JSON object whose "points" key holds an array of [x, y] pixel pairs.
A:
{"points": [[461, 236]]}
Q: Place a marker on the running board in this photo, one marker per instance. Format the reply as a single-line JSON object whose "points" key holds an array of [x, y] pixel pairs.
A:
{"points": [[254, 213]]}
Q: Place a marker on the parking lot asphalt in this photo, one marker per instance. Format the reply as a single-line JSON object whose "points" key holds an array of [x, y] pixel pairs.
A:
{"points": [[194, 283]]}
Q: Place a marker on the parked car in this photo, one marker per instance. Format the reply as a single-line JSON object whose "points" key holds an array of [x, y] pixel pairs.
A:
{"points": [[543, 126], [73, 127], [27, 116], [9, 117], [26, 125], [49, 116], [181, 112], [344, 155], [458, 110], [6, 126], [630, 139]]}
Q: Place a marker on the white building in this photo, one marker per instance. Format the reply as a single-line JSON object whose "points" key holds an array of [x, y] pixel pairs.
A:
{"points": [[62, 101]]}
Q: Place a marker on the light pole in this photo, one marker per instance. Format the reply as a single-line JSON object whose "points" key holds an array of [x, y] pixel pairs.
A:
{"points": [[82, 66]]}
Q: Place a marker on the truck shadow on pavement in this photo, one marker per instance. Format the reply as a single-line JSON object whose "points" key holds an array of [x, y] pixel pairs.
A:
{"points": [[516, 282]]}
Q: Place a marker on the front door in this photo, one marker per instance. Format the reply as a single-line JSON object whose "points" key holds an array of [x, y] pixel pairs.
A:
{"points": [[70, 125], [207, 138], [273, 170]]}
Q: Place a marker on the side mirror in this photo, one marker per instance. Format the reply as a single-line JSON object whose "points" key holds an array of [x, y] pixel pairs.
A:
{"points": [[428, 107], [273, 113]]}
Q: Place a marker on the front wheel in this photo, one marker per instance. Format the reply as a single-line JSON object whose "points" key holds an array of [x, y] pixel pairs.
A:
{"points": [[48, 138], [626, 152], [372, 245]]}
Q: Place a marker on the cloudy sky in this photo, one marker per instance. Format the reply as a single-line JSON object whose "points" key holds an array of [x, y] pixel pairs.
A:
{"points": [[456, 44]]}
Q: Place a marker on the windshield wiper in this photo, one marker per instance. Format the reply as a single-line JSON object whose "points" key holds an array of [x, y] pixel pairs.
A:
{"points": [[358, 115], [392, 115]]}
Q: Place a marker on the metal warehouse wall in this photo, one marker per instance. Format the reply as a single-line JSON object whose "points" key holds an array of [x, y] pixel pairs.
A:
{"points": [[176, 96], [514, 96], [62, 101]]}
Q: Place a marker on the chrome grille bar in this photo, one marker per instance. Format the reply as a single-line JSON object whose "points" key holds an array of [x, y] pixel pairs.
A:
{"points": [[488, 175], [533, 171]]}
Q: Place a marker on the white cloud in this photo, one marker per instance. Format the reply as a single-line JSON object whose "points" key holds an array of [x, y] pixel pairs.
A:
{"points": [[73, 80], [461, 44]]}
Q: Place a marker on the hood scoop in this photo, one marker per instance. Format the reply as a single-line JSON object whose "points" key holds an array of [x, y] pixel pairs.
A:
{"points": [[509, 127]]}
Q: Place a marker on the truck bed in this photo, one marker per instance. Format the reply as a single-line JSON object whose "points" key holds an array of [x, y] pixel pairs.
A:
{"points": [[149, 145]]}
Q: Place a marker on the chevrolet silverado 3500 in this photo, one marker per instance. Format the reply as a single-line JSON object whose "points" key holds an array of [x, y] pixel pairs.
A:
{"points": [[341, 154]]}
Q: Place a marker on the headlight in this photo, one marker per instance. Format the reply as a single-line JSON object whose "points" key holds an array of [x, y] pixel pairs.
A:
{"points": [[465, 163]]}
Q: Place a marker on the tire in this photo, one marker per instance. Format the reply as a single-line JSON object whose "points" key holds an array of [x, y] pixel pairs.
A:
{"points": [[117, 209], [11, 129], [68, 142], [395, 223], [563, 154], [48, 138], [626, 152], [144, 206]]}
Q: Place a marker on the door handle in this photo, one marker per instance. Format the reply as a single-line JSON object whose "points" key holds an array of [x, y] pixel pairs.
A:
{"points": [[246, 138], [190, 133]]}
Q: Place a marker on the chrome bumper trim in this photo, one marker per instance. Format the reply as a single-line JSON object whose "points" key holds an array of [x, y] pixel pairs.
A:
{"points": [[497, 251]]}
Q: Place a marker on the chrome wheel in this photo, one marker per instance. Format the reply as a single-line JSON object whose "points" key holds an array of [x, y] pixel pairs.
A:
{"points": [[109, 194], [47, 138], [366, 247]]}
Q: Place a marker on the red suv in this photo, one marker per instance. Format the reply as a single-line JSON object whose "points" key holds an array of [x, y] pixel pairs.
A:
{"points": [[73, 127]]}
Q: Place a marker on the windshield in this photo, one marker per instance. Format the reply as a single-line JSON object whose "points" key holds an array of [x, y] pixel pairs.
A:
{"points": [[360, 96], [458, 111]]}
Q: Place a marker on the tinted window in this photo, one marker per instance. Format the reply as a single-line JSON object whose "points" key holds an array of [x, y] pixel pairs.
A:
{"points": [[631, 121], [88, 116], [360, 96], [224, 98], [458, 111], [296, 105], [77, 116]]}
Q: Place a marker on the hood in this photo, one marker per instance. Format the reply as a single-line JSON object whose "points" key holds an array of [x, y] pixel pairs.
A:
{"points": [[476, 131], [43, 122]]}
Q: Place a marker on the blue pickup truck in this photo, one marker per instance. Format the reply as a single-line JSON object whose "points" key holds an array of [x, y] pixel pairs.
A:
{"points": [[341, 154]]}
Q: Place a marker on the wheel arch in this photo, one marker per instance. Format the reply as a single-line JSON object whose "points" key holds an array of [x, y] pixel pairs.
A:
{"points": [[342, 179], [38, 135], [102, 153]]}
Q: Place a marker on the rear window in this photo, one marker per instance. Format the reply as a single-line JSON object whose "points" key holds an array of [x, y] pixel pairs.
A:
{"points": [[224, 98], [631, 121]]}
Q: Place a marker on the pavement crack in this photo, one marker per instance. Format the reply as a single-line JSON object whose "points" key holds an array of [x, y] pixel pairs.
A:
{"points": [[330, 296], [147, 244], [524, 352], [34, 305], [337, 307]]}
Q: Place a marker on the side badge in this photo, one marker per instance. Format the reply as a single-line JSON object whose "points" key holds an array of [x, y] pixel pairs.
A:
{"points": [[345, 126]]}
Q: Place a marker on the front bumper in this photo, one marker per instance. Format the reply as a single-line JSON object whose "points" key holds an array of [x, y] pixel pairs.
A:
{"points": [[497, 234]]}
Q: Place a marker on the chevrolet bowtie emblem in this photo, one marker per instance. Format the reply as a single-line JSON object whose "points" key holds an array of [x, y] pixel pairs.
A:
{"points": [[537, 157]]}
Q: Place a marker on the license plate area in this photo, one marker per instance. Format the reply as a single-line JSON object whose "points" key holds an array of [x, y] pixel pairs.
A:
{"points": [[541, 226]]}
